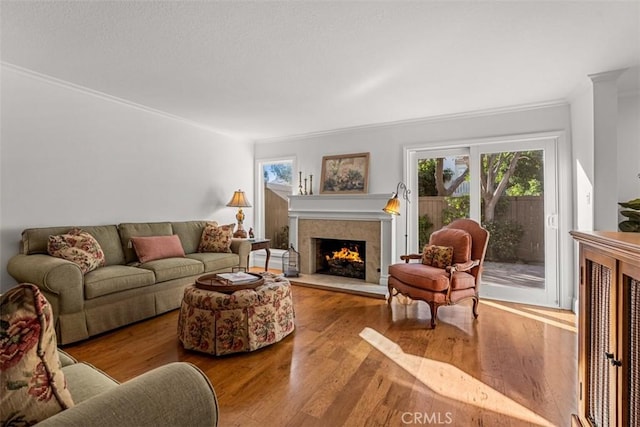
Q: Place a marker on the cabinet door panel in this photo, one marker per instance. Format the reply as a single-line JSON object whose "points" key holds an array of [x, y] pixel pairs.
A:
{"points": [[629, 344], [599, 382]]}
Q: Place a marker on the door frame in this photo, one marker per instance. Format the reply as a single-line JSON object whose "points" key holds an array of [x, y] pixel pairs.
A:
{"points": [[258, 190], [566, 291]]}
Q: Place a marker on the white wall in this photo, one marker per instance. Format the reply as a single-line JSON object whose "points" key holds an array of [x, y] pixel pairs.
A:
{"points": [[385, 144], [628, 146], [583, 140], [70, 157], [626, 118]]}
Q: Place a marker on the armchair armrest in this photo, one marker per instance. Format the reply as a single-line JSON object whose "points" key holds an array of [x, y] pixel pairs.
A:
{"points": [[406, 258], [177, 394], [466, 266]]}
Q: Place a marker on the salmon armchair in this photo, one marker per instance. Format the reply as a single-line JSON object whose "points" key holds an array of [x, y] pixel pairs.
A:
{"points": [[452, 278]]}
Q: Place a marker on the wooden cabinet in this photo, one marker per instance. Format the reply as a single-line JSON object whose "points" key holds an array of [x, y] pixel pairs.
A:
{"points": [[608, 329]]}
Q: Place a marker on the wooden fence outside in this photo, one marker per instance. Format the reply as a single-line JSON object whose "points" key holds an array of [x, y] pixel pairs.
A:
{"points": [[276, 219], [528, 211]]}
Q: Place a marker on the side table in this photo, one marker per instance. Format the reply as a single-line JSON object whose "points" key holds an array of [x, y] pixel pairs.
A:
{"points": [[259, 244]]}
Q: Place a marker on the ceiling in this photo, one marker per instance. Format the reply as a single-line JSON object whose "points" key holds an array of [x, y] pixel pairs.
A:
{"points": [[269, 69]]}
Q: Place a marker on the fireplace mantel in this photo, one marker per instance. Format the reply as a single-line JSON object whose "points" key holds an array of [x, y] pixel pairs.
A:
{"points": [[341, 208]]}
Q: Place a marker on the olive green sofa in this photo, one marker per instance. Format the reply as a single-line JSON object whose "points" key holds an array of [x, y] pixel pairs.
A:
{"points": [[143, 401], [124, 290]]}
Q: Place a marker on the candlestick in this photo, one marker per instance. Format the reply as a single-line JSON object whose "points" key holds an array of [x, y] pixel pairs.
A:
{"points": [[300, 184], [311, 184], [305, 186]]}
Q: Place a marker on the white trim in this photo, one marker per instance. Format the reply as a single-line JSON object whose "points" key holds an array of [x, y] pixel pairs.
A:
{"points": [[607, 75], [258, 190], [420, 120], [104, 96]]}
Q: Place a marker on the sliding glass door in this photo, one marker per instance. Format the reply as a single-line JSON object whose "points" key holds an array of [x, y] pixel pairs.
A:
{"points": [[509, 187]]}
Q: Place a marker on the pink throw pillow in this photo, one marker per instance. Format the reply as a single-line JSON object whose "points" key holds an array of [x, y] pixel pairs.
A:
{"points": [[157, 247]]}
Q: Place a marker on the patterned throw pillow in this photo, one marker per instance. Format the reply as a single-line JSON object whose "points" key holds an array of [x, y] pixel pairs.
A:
{"points": [[216, 238], [33, 386], [79, 247], [437, 256]]}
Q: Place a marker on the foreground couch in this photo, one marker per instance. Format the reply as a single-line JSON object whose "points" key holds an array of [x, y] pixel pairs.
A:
{"points": [[177, 394], [125, 290], [42, 385]]}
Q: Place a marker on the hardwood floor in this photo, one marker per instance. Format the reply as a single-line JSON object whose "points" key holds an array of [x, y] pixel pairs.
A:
{"points": [[353, 361]]}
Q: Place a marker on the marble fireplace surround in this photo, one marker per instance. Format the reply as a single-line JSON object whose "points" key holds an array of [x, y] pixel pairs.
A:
{"points": [[345, 217]]}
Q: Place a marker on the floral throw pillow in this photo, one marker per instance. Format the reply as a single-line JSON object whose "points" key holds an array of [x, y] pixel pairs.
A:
{"points": [[33, 386], [216, 238], [437, 256], [79, 247]]}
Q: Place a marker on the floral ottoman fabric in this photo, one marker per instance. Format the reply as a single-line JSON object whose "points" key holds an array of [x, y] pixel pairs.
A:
{"points": [[246, 320]]}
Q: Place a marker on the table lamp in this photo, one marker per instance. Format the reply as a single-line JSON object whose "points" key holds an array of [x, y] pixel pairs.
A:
{"points": [[239, 201]]}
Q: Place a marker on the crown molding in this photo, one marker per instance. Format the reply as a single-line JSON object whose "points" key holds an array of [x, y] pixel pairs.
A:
{"points": [[104, 96], [606, 75], [421, 120]]}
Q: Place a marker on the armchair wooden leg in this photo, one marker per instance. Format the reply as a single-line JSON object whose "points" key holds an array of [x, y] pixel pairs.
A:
{"points": [[390, 297], [475, 307], [434, 313]]}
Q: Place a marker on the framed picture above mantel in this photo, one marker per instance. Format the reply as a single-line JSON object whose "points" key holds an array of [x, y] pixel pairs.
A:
{"points": [[345, 174]]}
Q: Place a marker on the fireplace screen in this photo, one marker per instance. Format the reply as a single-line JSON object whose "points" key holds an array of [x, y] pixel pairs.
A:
{"points": [[344, 258]]}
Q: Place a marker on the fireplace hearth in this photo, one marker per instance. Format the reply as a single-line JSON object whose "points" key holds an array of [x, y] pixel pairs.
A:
{"points": [[346, 258]]}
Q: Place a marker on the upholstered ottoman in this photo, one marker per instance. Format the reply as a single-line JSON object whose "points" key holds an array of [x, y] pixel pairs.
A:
{"points": [[246, 320]]}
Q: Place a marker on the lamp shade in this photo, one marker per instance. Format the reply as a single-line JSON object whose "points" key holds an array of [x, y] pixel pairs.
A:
{"points": [[393, 206], [239, 200]]}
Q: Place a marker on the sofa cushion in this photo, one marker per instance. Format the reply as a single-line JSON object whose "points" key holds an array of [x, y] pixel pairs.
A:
{"points": [[216, 238], [132, 229], [115, 278], [79, 247], [109, 239], [35, 240], [216, 261], [33, 385], [458, 239], [190, 233], [157, 247], [173, 268], [437, 256]]}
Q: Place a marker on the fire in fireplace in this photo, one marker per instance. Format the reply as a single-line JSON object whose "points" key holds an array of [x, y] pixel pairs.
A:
{"points": [[344, 258]]}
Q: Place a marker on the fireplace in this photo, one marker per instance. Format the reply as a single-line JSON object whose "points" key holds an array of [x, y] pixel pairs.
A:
{"points": [[357, 218], [346, 258]]}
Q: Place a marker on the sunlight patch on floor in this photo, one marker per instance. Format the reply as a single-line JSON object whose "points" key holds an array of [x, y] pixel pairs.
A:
{"points": [[522, 313], [451, 382]]}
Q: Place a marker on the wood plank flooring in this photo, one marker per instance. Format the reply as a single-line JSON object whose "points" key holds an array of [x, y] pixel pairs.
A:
{"points": [[353, 361]]}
